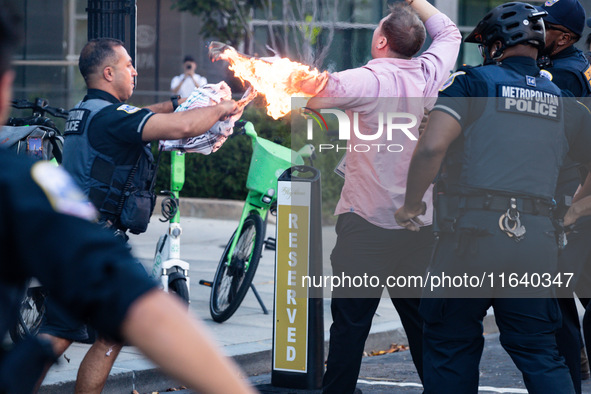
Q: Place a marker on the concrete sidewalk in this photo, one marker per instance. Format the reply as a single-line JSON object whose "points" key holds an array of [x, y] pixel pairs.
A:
{"points": [[246, 336]]}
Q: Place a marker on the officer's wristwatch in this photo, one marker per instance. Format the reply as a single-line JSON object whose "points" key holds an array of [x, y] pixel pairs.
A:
{"points": [[175, 102]]}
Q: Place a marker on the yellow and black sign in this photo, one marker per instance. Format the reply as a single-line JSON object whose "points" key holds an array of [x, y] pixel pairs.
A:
{"points": [[298, 329], [292, 264]]}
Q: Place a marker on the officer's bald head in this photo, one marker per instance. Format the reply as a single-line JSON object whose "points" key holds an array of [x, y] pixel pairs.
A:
{"points": [[10, 35], [95, 55]]}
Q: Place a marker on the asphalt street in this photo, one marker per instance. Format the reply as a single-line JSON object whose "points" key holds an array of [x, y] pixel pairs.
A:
{"points": [[395, 373]]}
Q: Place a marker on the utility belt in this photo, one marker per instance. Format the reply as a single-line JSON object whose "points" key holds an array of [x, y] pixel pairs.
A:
{"points": [[526, 206], [448, 209]]}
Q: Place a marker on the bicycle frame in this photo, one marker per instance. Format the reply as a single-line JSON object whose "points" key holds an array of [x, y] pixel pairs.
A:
{"points": [[240, 259], [168, 250], [258, 202]]}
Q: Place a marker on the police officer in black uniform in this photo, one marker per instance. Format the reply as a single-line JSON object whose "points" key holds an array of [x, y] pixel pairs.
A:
{"points": [[569, 69], [501, 131], [46, 231], [567, 66], [106, 152]]}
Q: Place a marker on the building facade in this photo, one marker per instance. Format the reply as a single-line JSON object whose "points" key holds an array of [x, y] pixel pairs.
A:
{"points": [[56, 30]]}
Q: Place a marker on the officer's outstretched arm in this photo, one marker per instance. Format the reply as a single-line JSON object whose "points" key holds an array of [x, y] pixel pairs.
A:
{"points": [[184, 124], [164, 107], [442, 129], [161, 327]]}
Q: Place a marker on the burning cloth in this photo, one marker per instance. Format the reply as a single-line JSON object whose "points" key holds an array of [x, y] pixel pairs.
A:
{"points": [[213, 139]]}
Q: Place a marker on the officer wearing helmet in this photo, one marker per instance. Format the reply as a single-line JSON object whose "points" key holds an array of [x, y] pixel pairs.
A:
{"points": [[494, 143]]}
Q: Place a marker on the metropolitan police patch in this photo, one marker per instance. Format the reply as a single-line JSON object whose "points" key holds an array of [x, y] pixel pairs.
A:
{"points": [[130, 109], [61, 191], [550, 3], [546, 74]]}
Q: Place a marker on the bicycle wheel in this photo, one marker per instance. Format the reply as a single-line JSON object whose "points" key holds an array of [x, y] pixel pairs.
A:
{"points": [[32, 311], [177, 284], [232, 281]]}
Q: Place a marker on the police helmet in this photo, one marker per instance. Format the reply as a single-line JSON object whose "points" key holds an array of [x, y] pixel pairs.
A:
{"points": [[512, 24]]}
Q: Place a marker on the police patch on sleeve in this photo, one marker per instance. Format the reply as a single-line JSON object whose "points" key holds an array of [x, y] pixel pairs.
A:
{"points": [[588, 75], [451, 80], [61, 191], [546, 74], [130, 109]]}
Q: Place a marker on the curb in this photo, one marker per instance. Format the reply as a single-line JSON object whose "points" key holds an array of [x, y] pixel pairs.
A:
{"points": [[143, 376]]}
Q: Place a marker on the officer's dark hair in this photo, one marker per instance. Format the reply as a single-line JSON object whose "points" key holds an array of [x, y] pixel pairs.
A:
{"points": [[95, 53], [588, 42], [511, 24], [10, 33], [404, 30]]}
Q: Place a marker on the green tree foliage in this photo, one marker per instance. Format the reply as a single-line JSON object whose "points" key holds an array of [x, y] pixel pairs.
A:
{"points": [[227, 20]]}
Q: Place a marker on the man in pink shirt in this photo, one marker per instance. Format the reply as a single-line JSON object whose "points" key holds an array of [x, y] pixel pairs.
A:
{"points": [[369, 240]]}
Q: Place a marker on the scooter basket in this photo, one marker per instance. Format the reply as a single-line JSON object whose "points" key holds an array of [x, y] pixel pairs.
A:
{"points": [[268, 162]]}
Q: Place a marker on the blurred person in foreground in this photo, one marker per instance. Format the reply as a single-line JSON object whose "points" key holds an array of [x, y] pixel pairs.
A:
{"points": [[369, 242], [87, 270]]}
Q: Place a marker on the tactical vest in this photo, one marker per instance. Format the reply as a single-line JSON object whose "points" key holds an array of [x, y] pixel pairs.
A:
{"points": [[517, 144], [99, 176], [580, 67]]}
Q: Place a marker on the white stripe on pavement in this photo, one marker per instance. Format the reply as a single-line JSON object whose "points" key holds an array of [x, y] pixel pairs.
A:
{"points": [[480, 388]]}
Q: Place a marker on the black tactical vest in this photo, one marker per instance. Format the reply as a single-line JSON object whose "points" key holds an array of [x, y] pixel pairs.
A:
{"points": [[517, 144], [100, 177]]}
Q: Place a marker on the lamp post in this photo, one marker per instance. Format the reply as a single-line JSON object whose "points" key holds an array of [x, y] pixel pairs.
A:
{"points": [[114, 19]]}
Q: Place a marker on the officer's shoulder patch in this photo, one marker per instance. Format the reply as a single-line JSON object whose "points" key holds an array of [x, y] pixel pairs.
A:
{"points": [[587, 74], [130, 109], [61, 191], [451, 80], [546, 74]]}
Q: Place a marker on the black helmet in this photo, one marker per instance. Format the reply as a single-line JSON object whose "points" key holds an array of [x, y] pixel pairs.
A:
{"points": [[512, 24]]}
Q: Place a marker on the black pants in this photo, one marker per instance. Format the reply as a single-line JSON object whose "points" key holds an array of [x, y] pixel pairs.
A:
{"points": [[527, 317], [576, 258], [365, 249], [569, 341]]}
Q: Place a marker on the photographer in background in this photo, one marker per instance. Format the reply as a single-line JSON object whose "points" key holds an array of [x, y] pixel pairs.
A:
{"points": [[184, 84]]}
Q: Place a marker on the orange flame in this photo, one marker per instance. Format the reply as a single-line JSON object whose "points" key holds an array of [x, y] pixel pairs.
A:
{"points": [[278, 81]]}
